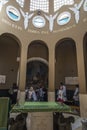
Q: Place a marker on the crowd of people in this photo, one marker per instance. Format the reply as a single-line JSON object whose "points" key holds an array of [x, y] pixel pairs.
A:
{"points": [[37, 91], [62, 94], [36, 88]]}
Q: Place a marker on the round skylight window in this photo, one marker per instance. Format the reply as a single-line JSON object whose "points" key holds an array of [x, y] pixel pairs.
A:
{"points": [[38, 21], [63, 18], [13, 13]]}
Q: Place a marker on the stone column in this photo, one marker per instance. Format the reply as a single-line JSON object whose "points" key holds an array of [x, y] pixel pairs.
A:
{"points": [[51, 84], [81, 65], [22, 73], [81, 76], [83, 105]]}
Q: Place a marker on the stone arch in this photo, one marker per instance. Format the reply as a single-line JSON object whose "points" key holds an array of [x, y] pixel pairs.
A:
{"points": [[37, 63], [66, 61], [38, 41], [11, 36], [10, 47], [38, 59], [39, 49]]}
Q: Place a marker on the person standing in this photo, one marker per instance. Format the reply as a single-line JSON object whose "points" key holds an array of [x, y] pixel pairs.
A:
{"points": [[13, 93], [60, 97], [76, 95], [32, 94], [64, 91]]}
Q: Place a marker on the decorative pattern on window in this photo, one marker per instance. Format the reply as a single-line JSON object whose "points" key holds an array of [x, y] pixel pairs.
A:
{"points": [[20, 2], [39, 5], [59, 3]]}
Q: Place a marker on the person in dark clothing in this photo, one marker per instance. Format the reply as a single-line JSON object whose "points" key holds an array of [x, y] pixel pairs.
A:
{"points": [[13, 93]]}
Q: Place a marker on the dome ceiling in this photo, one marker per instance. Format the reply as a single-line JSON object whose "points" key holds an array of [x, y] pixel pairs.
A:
{"points": [[39, 13]]}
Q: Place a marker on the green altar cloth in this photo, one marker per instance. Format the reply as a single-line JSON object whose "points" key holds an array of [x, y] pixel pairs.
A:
{"points": [[41, 107], [4, 108]]}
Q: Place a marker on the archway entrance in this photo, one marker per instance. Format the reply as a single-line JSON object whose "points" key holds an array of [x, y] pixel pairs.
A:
{"points": [[37, 72], [66, 68], [37, 77], [9, 51]]}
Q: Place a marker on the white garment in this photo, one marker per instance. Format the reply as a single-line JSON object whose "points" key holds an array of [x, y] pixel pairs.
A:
{"points": [[41, 93], [76, 91], [76, 94], [30, 94], [60, 94], [64, 90], [64, 93], [76, 124], [34, 96]]}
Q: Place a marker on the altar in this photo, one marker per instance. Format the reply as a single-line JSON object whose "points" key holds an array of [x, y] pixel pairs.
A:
{"points": [[40, 114], [41, 107]]}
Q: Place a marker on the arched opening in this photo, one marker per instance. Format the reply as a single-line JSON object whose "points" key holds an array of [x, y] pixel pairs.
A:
{"points": [[66, 66], [66, 62], [37, 68], [9, 51]]}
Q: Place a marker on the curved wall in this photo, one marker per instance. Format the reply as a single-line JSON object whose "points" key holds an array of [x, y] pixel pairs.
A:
{"points": [[26, 35]]}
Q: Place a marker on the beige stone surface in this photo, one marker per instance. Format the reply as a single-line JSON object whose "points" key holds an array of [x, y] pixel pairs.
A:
{"points": [[21, 97], [41, 121], [79, 128], [83, 105], [51, 96]]}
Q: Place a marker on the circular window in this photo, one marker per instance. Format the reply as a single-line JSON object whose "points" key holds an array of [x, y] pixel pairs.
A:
{"points": [[63, 18], [13, 13], [38, 21]]}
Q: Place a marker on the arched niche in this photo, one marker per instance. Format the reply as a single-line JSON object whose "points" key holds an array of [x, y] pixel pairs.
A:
{"points": [[37, 68], [9, 51], [38, 49], [37, 58], [66, 62]]}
